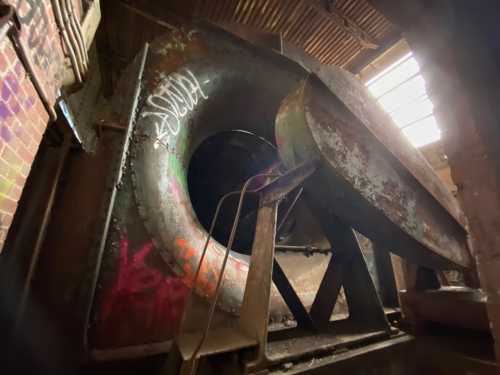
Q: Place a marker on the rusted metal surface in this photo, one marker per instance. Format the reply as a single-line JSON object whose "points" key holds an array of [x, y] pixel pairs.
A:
{"points": [[385, 277], [226, 91], [297, 308], [452, 306], [127, 116], [361, 181], [263, 255], [366, 322], [138, 299], [343, 336], [252, 326], [347, 269], [305, 249], [254, 318], [198, 81], [131, 314], [355, 97], [393, 356], [278, 188]]}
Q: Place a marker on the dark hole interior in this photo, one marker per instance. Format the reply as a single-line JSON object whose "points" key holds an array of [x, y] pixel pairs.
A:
{"points": [[221, 164]]}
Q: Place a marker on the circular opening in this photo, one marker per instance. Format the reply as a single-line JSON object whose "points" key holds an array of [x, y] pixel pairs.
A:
{"points": [[221, 164]]}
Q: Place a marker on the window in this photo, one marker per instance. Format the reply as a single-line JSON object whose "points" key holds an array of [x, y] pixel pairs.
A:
{"points": [[400, 90]]}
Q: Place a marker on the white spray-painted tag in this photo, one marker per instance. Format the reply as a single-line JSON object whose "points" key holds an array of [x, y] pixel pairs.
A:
{"points": [[176, 97]]}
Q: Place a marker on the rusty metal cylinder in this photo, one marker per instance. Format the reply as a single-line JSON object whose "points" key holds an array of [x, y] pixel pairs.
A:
{"points": [[200, 83]]}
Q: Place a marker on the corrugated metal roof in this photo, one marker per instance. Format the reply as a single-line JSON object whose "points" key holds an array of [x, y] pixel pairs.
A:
{"points": [[330, 37], [306, 23]]}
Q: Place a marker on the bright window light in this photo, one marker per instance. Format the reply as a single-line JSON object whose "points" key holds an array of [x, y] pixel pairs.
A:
{"points": [[423, 132], [400, 90]]}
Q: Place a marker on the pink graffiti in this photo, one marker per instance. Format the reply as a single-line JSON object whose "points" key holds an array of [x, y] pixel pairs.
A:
{"points": [[142, 299]]}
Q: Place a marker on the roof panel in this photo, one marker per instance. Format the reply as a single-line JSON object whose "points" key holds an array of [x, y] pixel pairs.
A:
{"points": [[308, 24]]}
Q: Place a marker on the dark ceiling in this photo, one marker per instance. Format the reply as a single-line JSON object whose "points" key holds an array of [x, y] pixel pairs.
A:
{"points": [[347, 33]]}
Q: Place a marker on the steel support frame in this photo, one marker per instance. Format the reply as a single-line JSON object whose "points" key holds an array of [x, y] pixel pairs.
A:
{"points": [[249, 337], [126, 106], [354, 259]]}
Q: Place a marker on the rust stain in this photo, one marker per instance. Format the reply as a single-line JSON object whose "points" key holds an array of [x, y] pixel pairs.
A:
{"points": [[351, 152], [180, 46]]}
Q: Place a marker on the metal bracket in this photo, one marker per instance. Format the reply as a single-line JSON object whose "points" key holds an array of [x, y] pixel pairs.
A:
{"points": [[250, 333]]}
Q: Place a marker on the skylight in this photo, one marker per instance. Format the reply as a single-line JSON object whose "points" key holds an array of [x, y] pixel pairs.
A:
{"points": [[400, 90]]}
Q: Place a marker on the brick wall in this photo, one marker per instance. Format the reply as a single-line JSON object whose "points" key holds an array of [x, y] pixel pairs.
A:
{"points": [[23, 118]]}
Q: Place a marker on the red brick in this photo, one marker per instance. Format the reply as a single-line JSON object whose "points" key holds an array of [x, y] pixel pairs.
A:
{"points": [[35, 133], [5, 111], [25, 138], [5, 220], [9, 156], [4, 168], [28, 102], [29, 122], [12, 173], [21, 119], [24, 85], [29, 89], [21, 180], [14, 105], [42, 112], [15, 193], [33, 146], [10, 54], [26, 170], [7, 204], [19, 71], [12, 82], [14, 144], [42, 125], [25, 155], [6, 186], [3, 62]]}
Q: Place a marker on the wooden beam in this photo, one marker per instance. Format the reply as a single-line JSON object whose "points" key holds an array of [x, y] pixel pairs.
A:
{"points": [[350, 27]]}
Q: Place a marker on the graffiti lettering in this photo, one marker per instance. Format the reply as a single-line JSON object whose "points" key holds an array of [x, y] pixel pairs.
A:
{"points": [[177, 96], [12, 100], [139, 288], [35, 15]]}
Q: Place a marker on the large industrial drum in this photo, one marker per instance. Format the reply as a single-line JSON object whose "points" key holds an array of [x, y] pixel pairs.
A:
{"points": [[206, 123]]}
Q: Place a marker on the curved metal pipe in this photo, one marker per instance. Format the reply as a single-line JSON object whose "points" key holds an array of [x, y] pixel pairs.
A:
{"points": [[233, 85], [72, 38], [71, 52], [80, 43]]}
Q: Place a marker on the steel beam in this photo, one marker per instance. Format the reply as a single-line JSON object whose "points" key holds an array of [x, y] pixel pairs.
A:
{"points": [[360, 180]]}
